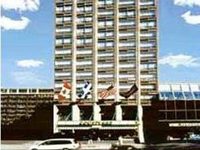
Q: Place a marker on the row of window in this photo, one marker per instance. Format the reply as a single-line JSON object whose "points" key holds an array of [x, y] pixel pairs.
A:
{"points": [[121, 14], [61, 7], [104, 34], [180, 95], [105, 23], [103, 64], [102, 44], [26, 91], [145, 77]]}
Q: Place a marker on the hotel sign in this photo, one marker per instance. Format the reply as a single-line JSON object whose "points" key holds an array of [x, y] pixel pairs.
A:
{"points": [[184, 124], [95, 123]]}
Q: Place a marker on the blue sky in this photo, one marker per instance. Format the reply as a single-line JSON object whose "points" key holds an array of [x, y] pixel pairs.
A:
{"points": [[27, 42]]}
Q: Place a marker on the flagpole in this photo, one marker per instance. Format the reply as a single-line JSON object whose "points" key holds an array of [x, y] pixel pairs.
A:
{"points": [[138, 61]]}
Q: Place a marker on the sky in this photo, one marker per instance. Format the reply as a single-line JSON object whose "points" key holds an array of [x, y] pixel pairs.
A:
{"points": [[27, 44]]}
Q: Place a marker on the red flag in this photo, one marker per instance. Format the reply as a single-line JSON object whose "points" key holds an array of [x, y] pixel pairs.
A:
{"points": [[108, 92]]}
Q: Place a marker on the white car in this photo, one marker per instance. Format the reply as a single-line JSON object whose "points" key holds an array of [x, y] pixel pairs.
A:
{"points": [[56, 144]]}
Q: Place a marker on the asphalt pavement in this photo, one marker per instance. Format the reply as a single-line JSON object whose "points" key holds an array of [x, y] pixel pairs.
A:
{"points": [[101, 145], [25, 145]]}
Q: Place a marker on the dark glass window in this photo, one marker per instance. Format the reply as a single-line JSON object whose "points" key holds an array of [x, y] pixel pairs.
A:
{"points": [[168, 96], [162, 96], [188, 95], [178, 95], [22, 90], [13, 91], [56, 142], [197, 95]]}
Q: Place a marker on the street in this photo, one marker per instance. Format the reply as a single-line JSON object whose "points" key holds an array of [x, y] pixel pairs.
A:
{"points": [[25, 145], [101, 145]]}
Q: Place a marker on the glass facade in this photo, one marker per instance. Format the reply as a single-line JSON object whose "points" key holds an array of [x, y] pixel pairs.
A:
{"points": [[179, 92]]}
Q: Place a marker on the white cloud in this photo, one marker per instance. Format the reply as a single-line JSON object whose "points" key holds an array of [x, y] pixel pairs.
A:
{"points": [[20, 5], [10, 24], [191, 19], [190, 3], [28, 63], [180, 60], [27, 78]]}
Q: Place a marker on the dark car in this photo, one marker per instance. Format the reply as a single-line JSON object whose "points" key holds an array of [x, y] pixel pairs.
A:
{"points": [[122, 147]]}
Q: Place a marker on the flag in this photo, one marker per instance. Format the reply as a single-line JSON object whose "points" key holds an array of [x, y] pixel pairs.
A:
{"points": [[66, 88], [132, 90], [111, 90], [86, 89]]}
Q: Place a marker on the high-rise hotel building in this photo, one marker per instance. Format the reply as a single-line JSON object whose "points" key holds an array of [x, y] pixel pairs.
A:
{"points": [[105, 42]]}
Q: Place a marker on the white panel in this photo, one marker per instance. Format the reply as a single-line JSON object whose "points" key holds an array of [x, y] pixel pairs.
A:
{"points": [[176, 87], [185, 87], [164, 87], [62, 74], [194, 87]]}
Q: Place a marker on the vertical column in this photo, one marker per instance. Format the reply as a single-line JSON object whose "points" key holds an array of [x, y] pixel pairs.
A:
{"points": [[157, 43], [96, 108], [138, 61], [75, 108], [55, 118], [118, 108]]}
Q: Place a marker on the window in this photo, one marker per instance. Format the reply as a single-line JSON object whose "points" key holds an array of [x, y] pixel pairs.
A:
{"points": [[144, 2], [147, 34], [4, 90], [168, 96], [105, 23], [126, 44], [32, 90], [59, 8], [67, 8], [147, 13], [126, 34], [197, 95], [145, 44], [148, 66], [22, 90], [67, 19], [126, 23], [105, 34], [85, 19], [188, 95], [84, 9], [179, 96], [104, 2], [147, 24], [60, 142], [59, 19], [84, 41], [105, 44], [56, 142], [63, 30], [128, 2]]}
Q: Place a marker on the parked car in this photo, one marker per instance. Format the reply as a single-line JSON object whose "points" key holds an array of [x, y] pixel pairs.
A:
{"points": [[127, 143], [122, 147], [56, 144]]}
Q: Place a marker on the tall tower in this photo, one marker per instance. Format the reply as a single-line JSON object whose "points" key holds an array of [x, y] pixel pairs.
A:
{"points": [[104, 42]]}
